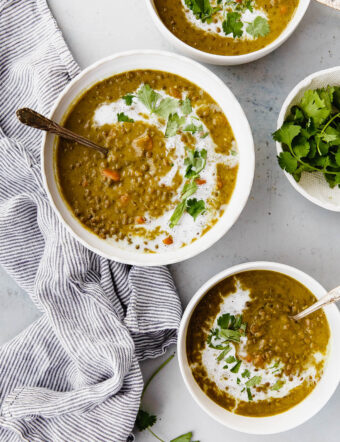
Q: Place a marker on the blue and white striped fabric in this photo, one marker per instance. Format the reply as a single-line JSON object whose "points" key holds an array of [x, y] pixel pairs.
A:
{"points": [[74, 374]]}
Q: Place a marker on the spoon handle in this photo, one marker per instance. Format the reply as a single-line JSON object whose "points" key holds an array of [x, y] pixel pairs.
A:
{"points": [[34, 119], [329, 298]]}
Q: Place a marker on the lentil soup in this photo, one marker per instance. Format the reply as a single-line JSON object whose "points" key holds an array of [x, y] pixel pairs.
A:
{"points": [[170, 170], [244, 351], [226, 27]]}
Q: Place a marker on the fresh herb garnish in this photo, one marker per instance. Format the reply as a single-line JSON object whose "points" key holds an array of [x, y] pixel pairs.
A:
{"points": [[148, 97], [145, 420], [230, 335], [195, 162], [255, 380], [202, 9], [310, 136], [233, 24], [259, 27], [250, 397], [186, 107], [246, 373], [166, 107], [223, 354], [192, 128], [195, 208], [236, 367], [128, 98], [238, 381], [230, 359], [278, 385], [122, 118], [189, 189], [175, 122]]}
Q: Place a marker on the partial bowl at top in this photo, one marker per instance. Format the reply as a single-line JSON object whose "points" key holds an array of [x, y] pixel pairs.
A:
{"points": [[180, 164], [224, 32], [312, 186]]}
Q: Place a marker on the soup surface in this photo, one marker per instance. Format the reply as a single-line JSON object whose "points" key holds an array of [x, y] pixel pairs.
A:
{"points": [[244, 351], [226, 27], [171, 167]]}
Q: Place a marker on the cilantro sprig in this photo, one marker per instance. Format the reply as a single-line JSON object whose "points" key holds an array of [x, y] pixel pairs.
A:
{"points": [[195, 162], [202, 9], [310, 136], [146, 420]]}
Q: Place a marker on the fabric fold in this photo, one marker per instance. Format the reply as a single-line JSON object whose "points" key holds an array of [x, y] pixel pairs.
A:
{"points": [[74, 373]]}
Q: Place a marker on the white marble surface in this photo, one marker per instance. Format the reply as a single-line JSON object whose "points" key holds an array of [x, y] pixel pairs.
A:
{"points": [[277, 223]]}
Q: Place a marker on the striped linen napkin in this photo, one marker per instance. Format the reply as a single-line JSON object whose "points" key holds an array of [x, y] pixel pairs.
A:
{"points": [[74, 374]]}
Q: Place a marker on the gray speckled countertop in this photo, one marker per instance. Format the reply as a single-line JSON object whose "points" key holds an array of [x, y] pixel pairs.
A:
{"points": [[277, 224]]}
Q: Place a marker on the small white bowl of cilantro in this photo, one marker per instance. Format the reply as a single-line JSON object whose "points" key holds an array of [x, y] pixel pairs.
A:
{"points": [[226, 32], [308, 138]]}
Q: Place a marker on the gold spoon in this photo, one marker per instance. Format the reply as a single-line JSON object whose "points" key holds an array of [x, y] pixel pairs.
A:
{"points": [[332, 296], [331, 3], [33, 119]]}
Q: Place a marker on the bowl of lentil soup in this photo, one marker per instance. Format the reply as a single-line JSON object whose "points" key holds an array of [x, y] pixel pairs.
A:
{"points": [[245, 362], [180, 164], [227, 32]]}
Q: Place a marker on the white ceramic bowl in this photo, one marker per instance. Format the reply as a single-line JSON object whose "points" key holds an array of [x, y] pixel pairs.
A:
{"points": [[312, 186], [206, 80], [296, 415], [205, 57]]}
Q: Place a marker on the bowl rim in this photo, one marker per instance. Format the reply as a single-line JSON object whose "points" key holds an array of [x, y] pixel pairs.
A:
{"points": [[177, 256], [190, 382], [307, 81], [206, 57]]}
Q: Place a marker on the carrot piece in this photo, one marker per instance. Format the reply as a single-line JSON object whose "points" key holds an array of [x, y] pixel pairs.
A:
{"points": [[199, 181], [219, 183], [167, 241], [124, 198], [113, 175], [140, 220], [283, 9]]}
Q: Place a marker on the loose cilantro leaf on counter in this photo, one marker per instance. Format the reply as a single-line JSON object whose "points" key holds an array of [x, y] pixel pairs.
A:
{"points": [[128, 98], [186, 106], [122, 118], [259, 27], [310, 136], [255, 380], [195, 208], [184, 438], [145, 420], [233, 24]]}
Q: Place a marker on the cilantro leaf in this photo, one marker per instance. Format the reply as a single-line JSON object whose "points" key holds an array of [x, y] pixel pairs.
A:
{"points": [[186, 106], [250, 397], [246, 373], [128, 98], [287, 133], [145, 420], [230, 359], [195, 208], [230, 335], [166, 107], [287, 162], [224, 353], [259, 27], [202, 9], [188, 190], [236, 367], [233, 24], [122, 118], [316, 107], [193, 129], [184, 438], [175, 122], [195, 162], [148, 97], [223, 320], [255, 380], [302, 147], [278, 385]]}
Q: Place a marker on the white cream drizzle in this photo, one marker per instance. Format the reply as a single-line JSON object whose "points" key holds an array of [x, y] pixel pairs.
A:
{"points": [[225, 380], [216, 28], [187, 229]]}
